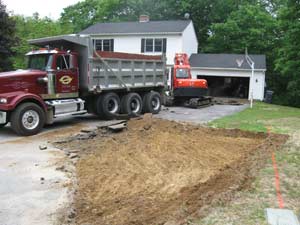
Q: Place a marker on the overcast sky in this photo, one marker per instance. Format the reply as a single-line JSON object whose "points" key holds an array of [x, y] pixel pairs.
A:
{"points": [[50, 8]]}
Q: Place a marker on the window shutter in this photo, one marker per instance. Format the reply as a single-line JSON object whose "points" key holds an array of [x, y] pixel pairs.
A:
{"points": [[164, 45], [143, 45], [112, 45]]}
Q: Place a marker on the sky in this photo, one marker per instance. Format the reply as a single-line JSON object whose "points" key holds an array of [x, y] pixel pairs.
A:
{"points": [[50, 8]]}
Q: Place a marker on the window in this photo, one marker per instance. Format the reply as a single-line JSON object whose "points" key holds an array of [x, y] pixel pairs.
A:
{"points": [[154, 45], [40, 62], [63, 62], [158, 43], [106, 45], [149, 45], [182, 73]]}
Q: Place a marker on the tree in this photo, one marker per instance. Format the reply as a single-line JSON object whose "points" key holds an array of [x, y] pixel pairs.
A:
{"points": [[288, 62], [31, 28], [7, 39], [250, 26], [202, 12]]}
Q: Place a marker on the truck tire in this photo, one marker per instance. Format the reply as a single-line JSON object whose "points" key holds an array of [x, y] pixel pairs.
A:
{"points": [[132, 104], [27, 119], [152, 102], [3, 125], [108, 105]]}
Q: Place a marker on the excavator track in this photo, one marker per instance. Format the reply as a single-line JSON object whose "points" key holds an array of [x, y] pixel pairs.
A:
{"points": [[199, 102]]}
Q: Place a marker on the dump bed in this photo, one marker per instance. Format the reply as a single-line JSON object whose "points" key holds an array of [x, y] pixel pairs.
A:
{"points": [[115, 70], [103, 71]]}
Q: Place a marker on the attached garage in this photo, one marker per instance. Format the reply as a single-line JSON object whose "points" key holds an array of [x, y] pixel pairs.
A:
{"points": [[229, 75]]}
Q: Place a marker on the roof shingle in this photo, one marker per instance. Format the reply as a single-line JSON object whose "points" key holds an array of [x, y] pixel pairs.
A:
{"points": [[168, 26], [230, 61]]}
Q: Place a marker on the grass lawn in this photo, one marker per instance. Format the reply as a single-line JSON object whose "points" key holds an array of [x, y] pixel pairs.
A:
{"points": [[282, 119], [248, 206]]}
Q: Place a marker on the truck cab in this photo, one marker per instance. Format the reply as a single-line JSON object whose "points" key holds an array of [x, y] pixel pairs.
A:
{"points": [[28, 98], [61, 69]]}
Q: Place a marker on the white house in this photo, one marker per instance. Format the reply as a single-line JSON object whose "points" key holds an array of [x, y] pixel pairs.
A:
{"points": [[147, 37], [228, 75]]}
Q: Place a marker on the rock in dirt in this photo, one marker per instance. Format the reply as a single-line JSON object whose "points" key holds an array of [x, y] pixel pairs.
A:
{"points": [[74, 151], [86, 136], [147, 119], [73, 156], [43, 147], [72, 214], [117, 127], [110, 123], [88, 130], [61, 168]]}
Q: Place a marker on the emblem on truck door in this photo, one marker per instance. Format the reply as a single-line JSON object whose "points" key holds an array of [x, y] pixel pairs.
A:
{"points": [[65, 80]]}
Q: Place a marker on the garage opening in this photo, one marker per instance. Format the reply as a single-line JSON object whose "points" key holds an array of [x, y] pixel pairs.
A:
{"points": [[232, 87]]}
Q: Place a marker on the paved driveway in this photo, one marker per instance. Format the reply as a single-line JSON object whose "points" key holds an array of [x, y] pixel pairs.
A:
{"points": [[200, 116], [32, 190]]}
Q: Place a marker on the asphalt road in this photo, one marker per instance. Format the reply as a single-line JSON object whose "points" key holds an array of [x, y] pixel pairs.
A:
{"points": [[32, 191]]}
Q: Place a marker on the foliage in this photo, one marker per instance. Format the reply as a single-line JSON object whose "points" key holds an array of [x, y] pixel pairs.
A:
{"points": [[33, 27], [203, 13], [250, 26], [7, 39], [288, 62]]}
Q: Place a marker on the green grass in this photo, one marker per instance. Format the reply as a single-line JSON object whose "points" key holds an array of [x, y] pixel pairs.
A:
{"points": [[261, 116], [248, 205]]}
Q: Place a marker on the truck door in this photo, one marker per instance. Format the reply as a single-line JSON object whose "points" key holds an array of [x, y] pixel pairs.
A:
{"points": [[67, 81]]}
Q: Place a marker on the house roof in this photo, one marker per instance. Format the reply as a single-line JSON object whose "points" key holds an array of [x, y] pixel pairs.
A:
{"points": [[229, 61], [168, 26]]}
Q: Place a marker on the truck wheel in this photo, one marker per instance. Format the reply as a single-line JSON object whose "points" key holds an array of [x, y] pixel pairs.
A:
{"points": [[3, 125], [132, 104], [152, 102], [27, 119], [108, 105]]}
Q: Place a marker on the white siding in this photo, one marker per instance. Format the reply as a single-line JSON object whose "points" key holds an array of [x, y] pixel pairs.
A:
{"points": [[258, 85], [258, 80], [189, 40], [132, 44]]}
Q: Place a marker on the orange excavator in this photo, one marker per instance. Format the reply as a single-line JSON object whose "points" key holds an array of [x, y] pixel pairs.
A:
{"points": [[186, 91]]}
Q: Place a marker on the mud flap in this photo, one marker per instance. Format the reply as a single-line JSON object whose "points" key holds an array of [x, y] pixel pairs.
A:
{"points": [[3, 117]]}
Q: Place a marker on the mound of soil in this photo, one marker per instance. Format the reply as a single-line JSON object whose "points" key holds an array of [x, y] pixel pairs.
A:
{"points": [[158, 171]]}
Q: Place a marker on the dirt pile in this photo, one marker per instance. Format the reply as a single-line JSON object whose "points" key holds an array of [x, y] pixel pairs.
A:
{"points": [[158, 171]]}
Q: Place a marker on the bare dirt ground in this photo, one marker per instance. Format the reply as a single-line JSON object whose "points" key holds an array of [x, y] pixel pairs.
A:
{"points": [[163, 172]]}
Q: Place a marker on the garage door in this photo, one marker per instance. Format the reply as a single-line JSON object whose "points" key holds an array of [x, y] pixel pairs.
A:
{"points": [[235, 87]]}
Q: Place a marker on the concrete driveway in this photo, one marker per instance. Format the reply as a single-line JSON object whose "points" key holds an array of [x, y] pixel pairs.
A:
{"points": [[32, 190], [200, 116]]}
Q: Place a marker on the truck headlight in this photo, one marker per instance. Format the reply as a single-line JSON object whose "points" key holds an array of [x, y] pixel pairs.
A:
{"points": [[3, 100]]}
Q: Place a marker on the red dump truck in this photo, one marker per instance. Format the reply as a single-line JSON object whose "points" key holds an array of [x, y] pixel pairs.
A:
{"points": [[70, 78]]}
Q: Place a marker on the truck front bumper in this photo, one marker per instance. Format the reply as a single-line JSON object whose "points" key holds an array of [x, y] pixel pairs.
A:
{"points": [[3, 117]]}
